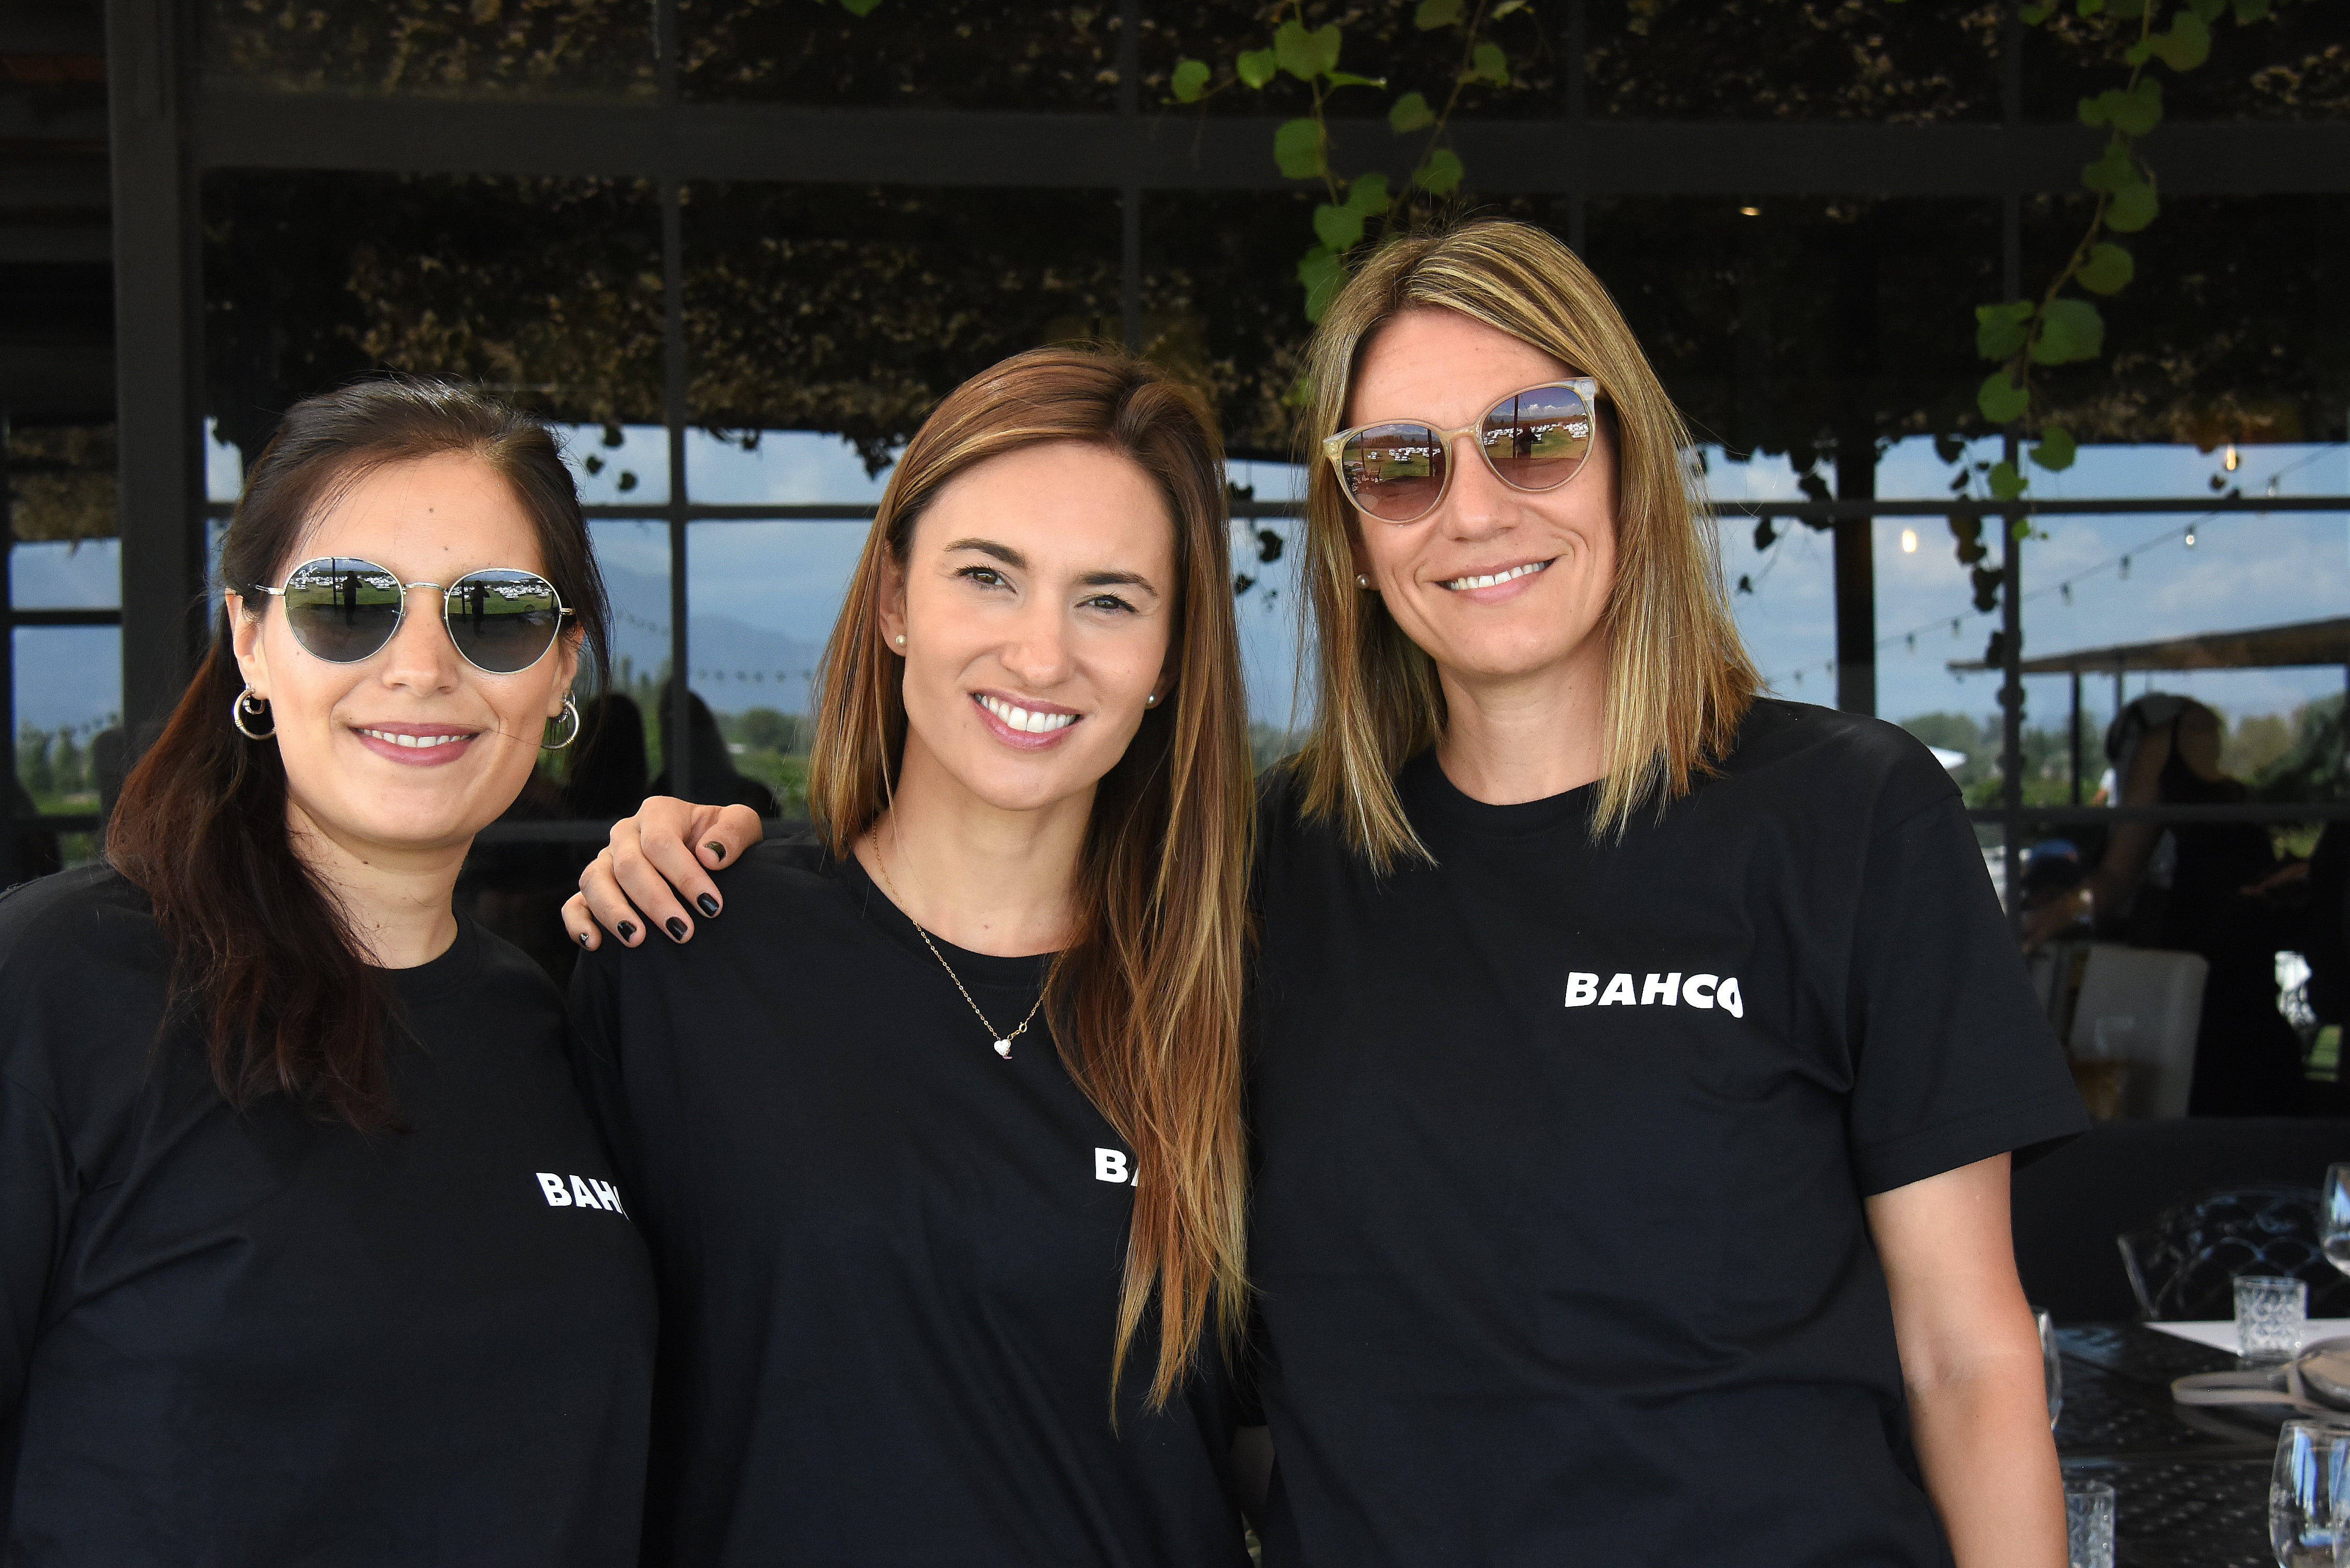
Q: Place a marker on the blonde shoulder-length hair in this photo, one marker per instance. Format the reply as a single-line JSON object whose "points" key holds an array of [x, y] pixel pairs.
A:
{"points": [[1679, 678], [1145, 1000]]}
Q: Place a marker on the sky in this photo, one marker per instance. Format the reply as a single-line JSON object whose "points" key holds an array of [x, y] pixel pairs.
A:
{"points": [[765, 593]]}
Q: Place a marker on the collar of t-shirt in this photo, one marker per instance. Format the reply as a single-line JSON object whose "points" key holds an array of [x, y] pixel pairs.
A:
{"points": [[1429, 797], [1025, 973], [439, 978]]}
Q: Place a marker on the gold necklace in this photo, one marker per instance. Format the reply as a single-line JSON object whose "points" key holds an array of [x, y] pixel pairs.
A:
{"points": [[1002, 1041]]}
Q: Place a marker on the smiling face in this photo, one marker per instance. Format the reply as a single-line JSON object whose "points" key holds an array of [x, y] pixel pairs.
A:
{"points": [[1498, 585], [1037, 603], [411, 749]]}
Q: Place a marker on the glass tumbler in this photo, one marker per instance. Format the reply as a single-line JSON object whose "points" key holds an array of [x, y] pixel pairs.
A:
{"points": [[2051, 1363], [2334, 1218], [2088, 1523], [2270, 1315], [2308, 1492]]}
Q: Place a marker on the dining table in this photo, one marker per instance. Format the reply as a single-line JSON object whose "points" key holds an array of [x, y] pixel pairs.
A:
{"points": [[2190, 1482]]}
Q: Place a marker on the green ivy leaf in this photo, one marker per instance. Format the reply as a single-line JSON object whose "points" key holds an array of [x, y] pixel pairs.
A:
{"points": [[1440, 174], [2001, 400], [2056, 450], [1505, 9], [2134, 206], [1307, 52], [1368, 193], [1410, 113], [1487, 63], [1999, 329], [1297, 147], [2108, 269], [1348, 78], [1322, 272], [1189, 80], [2070, 330], [2091, 7], [860, 7], [1339, 228], [2133, 110], [2186, 46], [1434, 14], [2032, 15], [2006, 483], [2251, 11], [2208, 11], [2115, 170], [1256, 66]]}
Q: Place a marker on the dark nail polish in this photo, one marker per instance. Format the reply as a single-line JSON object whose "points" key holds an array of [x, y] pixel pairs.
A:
{"points": [[676, 929], [583, 938], [707, 905], [717, 850], [627, 931]]}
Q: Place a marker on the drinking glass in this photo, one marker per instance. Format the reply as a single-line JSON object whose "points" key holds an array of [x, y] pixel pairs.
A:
{"points": [[2270, 1315], [2101, 1067], [2334, 1220], [2051, 1363], [2089, 1523], [2308, 1492]]}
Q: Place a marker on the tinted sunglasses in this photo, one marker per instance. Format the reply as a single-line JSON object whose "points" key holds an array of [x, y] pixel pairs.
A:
{"points": [[343, 609], [1535, 441]]}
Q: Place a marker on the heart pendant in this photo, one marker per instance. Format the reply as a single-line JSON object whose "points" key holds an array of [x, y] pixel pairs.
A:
{"points": [[1004, 1049]]}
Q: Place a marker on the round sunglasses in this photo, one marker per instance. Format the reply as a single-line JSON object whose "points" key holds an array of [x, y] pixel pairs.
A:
{"points": [[343, 609], [1534, 439]]}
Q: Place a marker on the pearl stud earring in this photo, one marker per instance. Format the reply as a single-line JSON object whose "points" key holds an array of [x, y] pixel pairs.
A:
{"points": [[1362, 580], [1151, 701], [901, 639]]}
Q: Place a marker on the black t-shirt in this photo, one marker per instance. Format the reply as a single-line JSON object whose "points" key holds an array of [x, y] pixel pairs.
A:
{"points": [[889, 1260], [1559, 1232], [259, 1337]]}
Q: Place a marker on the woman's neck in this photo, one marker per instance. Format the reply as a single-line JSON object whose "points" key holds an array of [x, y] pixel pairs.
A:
{"points": [[986, 879], [1511, 739], [398, 901]]}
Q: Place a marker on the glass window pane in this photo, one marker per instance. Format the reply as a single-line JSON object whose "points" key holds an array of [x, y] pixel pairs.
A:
{"points": [[60, 485], [781, 468], [765, 597], [2288, 66], [69, 690], [606, 771], [435, 48]]}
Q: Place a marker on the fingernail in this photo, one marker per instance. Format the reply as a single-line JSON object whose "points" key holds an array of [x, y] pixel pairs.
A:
{"points": [[676, 929], [627, 931], [583, 938], [707, 905], [717, 850]]}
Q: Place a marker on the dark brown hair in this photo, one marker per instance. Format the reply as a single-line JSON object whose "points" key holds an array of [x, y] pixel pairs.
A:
{"points": [[1145, 1001], [263, 957]]}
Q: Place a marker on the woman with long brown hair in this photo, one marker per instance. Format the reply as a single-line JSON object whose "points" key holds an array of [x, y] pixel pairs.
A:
{"points": [[312, 1253], [1638, 1059], [936, 1135]]}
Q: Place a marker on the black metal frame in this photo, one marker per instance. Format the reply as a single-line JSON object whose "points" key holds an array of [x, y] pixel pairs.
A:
{"points": [[168, 123]]}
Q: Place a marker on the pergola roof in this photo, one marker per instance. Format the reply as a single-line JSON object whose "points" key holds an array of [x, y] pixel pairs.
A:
{"points": [[2304, 642]]}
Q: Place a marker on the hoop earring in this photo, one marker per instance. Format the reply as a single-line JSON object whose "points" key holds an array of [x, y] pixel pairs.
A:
{"points": [[570, 711], [249, 704]]}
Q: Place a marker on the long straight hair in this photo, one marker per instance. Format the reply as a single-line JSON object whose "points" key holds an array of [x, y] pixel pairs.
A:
{"points": [[264, 958], [1679, 680], [1145, 1001]]}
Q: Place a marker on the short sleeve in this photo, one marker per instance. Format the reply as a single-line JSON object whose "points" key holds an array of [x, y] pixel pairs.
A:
{"points": [[1954, 1060]]}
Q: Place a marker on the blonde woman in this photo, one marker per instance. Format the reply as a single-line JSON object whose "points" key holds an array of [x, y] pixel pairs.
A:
{"points": [[936, 1135], [1638, 1059]]}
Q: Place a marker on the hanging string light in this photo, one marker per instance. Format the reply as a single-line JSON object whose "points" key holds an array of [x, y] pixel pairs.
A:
{"points": [[1909, 541], [2191, 536], [2234, 459]]}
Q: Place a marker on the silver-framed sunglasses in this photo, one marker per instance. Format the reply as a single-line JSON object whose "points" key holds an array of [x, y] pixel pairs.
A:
{"points": [[345, 609], [1534, 439]]}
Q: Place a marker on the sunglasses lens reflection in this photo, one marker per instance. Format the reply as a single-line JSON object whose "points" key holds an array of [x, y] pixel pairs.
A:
{"points": [[503, 621], [1394, 472], [342, 609], [1536, 439]]}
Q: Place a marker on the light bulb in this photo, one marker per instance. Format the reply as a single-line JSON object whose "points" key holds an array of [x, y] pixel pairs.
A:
{"points": [[1750, 212], [2190, 538], [1909, 541], [2234, 459]]}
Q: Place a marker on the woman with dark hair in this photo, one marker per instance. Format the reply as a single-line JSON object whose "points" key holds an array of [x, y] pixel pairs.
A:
{"points": [[312, 1254], [936, 1135]]}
